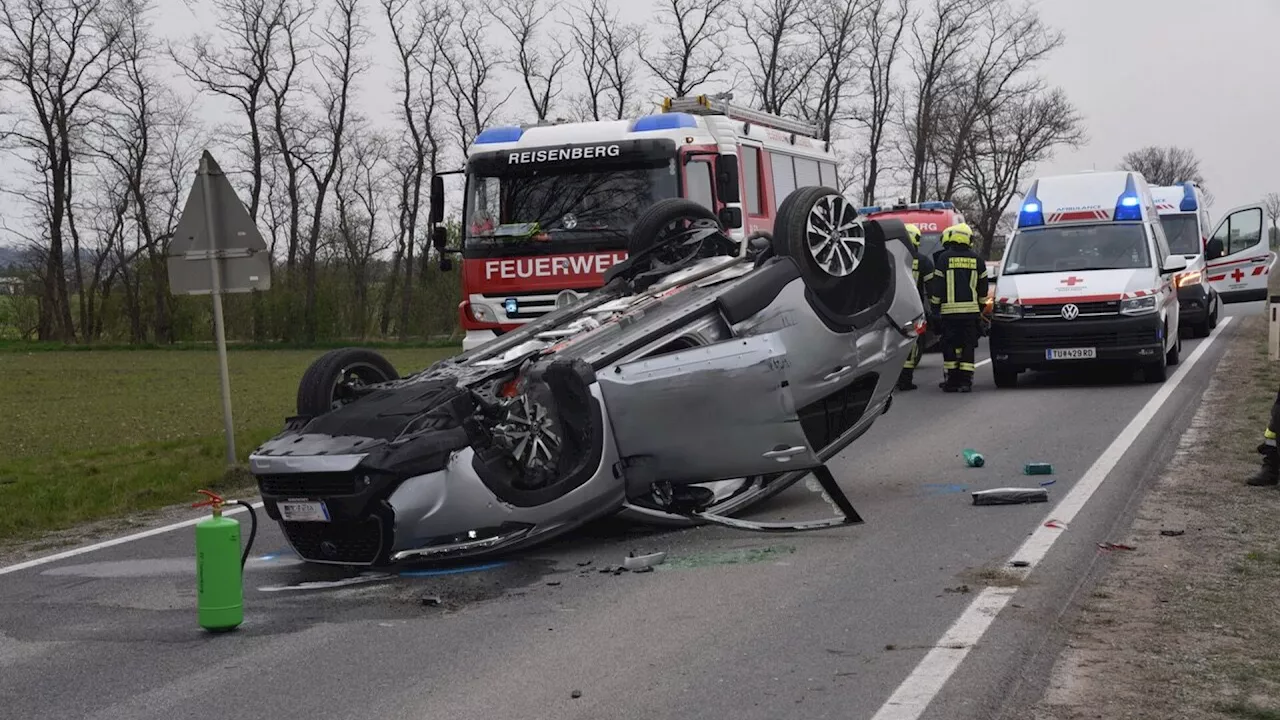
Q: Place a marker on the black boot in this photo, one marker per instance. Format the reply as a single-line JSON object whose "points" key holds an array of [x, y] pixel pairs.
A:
{"points": [[905, 379], [1269, 473]]}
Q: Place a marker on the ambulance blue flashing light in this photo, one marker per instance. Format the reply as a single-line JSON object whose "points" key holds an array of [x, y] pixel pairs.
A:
{"points": [[1032, 212], [1128, 206], [1189, 203], [664, 121], [502, 134]]}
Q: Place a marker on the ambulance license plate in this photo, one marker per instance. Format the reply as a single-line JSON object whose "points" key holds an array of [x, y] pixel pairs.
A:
{"points": [[295, 511], [1071, 354]]}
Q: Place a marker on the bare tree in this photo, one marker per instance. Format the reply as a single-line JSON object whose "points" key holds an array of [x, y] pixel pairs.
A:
{"points": [[238, 71], [422, 74], [695, 49], [837, 27], [1011, 42], [471, 68], [1164, 165], [359, 192], [781, 56], [885, 26], [343, 37], [937, 46], [605, 49], [288, 144], [61, 56], [1005, 145], [1271, 204], [541, 66]]}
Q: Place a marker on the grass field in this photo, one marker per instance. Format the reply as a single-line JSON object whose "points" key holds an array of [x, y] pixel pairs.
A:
{"points": [[91, 434]]}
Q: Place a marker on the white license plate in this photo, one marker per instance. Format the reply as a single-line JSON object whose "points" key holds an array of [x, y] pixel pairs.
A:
{"points": [[1072, 354], [303, 511]]}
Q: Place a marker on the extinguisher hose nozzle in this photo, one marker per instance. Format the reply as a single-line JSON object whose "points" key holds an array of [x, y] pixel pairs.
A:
{"points": [[253, 529]]}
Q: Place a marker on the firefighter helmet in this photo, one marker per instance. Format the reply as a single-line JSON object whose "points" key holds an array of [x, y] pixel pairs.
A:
{"points": [[913, 233], [959, 234]]}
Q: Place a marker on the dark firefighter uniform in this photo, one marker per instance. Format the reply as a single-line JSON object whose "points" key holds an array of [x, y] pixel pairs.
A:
{"points": [[1269, 473], [956, 292], [921, 271]]}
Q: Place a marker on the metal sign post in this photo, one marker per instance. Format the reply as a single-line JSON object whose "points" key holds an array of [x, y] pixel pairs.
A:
{"points": [[216, 228]]}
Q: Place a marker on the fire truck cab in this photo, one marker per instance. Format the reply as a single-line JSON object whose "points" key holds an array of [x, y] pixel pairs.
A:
{"points": [[548, 208], [932, 217]]}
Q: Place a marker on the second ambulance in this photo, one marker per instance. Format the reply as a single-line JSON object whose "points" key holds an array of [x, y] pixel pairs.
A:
{"points": [[1087, 277], [1185, 220]]}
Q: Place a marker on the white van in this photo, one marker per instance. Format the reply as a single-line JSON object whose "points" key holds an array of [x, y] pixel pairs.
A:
{"points": [[1185, 220], [1238, 255], [1087, 278]]}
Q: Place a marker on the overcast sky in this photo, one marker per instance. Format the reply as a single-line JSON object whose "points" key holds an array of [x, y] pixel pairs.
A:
{"points": [[1193, 73]]}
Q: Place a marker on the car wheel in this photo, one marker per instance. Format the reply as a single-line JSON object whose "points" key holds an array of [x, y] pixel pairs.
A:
{"points": [[1158, 371], [334, 378], [1202, 329], [1005, 376], [669, 232], [1175, 353], [847, 267], [1213, 316]]}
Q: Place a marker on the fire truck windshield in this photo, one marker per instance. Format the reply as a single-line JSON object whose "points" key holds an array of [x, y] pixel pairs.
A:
{"points": [[562, 208]]}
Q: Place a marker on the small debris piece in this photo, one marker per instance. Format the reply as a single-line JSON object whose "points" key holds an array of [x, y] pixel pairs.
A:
{"points": [[1115, 546], [634, 562], [1047, 483], [584, 563], [1172, 533], [1010, 496], [973, 458], [431, 601], [644, 570], [554, 583], [576, 694], [1055, 524], [1020, 563], [960, 589], [1037, 468], [891, 647]]}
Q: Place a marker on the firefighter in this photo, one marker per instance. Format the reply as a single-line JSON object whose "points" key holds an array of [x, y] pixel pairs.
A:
{"points": [[956, 293], [1269, 473], [921, 271]]}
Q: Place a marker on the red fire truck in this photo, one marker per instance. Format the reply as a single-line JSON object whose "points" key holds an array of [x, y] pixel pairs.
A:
{"points": [[547, 208]]}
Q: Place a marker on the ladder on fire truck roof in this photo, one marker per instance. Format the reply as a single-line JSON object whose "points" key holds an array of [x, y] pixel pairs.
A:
{"points": [[720, 105]]}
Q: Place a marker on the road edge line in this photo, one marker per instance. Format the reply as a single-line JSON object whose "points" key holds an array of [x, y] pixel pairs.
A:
{"points": [[36, 562], [913, 696]]}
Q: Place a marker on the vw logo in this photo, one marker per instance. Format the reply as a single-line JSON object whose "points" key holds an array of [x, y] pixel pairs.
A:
{"points": [[1070, 311], [566, 298]]}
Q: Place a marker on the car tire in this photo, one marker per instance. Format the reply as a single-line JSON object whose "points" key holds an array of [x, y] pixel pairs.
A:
{"points": [[1213, 316], [1202, 329], [660, 224], [1005, 376], [1158, 371], [322, 386], [849, 275], [1174, 355]]}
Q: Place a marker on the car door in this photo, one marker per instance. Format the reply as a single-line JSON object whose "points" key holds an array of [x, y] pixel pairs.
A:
{"points": [[708, 413], [1237, 257]]}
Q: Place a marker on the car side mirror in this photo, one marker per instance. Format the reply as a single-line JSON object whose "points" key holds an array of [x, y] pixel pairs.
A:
{"points": [[446, 263], [731, 218], [437, 199], [1213, 249], [727, 179], [1173, 264], [439, 238]]}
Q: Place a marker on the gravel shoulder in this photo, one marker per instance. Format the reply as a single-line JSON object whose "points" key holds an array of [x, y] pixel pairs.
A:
{"points": [[1185, 625]]}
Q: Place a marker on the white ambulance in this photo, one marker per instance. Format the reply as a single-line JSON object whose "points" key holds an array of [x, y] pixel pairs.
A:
{"points": [[1238, 256], [1086, 278], [1185, 220]]}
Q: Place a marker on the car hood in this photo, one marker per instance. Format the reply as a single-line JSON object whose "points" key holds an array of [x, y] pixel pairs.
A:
{"points": [[1078, 286]]}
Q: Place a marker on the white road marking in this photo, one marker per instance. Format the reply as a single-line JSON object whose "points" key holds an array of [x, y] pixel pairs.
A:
{"points": [[117, 541], [924, 683]]}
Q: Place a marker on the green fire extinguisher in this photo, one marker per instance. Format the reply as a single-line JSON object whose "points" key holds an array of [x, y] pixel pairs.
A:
{"points": [[220, 565]]}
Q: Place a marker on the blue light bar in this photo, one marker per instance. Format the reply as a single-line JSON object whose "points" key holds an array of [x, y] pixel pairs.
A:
{"points": [[868, 209], [502, 134], [937, 205], [1188, 198], [664, 121], [1128, 206], [1032, 212]]}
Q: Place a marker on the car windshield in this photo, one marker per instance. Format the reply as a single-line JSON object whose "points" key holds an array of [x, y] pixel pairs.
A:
{"points": [[565, 205], [1183, 233], [1112, 246]]}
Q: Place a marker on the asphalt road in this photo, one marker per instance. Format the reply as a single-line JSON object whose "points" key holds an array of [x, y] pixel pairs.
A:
{"points": [[831, 624]]}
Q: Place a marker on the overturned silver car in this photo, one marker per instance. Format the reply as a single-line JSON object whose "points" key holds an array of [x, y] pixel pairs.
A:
{"points": [[705, 376]]}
